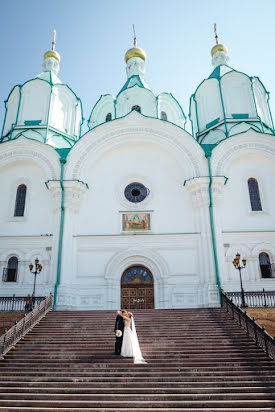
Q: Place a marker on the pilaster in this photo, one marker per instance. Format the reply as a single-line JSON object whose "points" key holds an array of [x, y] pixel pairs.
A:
{"points": [[199, 190]]}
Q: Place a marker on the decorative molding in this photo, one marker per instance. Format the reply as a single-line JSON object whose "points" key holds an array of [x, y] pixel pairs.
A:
{"points": [[179, 143], [269, 248], [23, 149], [236, 146], [74, 194], [55, 191], [249, 250], [217, 187], [136, 255], [199, 189]]}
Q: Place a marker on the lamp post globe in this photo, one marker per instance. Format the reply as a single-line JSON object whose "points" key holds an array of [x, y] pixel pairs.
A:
{"points": [[236, 263], [38, 268]]}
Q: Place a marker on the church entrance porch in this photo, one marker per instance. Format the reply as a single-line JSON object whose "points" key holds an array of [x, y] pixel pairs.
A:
{"points": [[137, 288]]}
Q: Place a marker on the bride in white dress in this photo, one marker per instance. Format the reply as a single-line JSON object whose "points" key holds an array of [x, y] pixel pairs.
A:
{"points": [[130, 346]]}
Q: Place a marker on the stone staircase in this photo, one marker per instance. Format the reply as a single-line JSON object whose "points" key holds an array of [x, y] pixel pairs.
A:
{"points": [[198, 360]]}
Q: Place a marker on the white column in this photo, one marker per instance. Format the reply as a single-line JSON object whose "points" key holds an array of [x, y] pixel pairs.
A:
{"points": [[199, 189], [55, 191], [74, 194], [217, 200]]}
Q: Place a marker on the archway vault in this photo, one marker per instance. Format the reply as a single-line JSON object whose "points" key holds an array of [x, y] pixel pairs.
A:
{"points": [[123, 260]]}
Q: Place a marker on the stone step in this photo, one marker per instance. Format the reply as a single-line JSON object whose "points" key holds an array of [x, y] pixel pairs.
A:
{"points": [[136, 390], [173, 362], [140, 409], [181, 367], [120, 397], [145, 373], [197, 360], [126, 404], [137, 384]]}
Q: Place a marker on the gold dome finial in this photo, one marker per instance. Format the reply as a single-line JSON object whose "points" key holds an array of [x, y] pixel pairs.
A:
{"points": [[135, 51], [54, 38], [218, 47], [53, 53], [215, 31], [135, 37]]}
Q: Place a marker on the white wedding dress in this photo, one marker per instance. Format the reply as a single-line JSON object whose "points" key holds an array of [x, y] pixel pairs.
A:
{"points": [[130, 346]]}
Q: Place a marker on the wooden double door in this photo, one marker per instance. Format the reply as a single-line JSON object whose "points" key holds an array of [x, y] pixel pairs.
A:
{"points": [[137, 288]]}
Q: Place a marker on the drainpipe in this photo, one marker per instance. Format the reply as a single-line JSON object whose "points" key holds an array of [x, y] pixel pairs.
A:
{"points": [[208, 156], [61, 230]]}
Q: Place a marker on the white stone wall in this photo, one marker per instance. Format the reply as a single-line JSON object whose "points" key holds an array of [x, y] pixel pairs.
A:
{"points": [[33, 235], [243, 230], [178, 249]]}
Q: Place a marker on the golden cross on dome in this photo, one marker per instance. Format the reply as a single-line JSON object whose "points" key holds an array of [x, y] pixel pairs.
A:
{"points": [[54, 38], [215, 31], [135, 38]]}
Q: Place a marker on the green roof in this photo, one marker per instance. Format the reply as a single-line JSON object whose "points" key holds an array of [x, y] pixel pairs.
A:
{"points": [[135, 80], [220, 71], [49, 77]]}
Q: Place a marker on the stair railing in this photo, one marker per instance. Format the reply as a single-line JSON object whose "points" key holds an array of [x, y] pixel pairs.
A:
{"points": [[17, 303], [252, 328], [16, 332], [255, 299]]}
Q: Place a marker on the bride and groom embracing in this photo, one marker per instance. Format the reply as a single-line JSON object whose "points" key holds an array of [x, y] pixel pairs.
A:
{"points": [[126, 337]]}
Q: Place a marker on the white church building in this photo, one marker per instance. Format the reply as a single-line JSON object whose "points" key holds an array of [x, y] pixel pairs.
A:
{"points": [[137, 212]]}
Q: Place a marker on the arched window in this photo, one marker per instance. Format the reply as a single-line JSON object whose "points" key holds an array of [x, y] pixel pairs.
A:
{"points": [[108, 117], [136, 108], [10, 273], [20, 200], [163, 116], [265, 265], [254, 194]]}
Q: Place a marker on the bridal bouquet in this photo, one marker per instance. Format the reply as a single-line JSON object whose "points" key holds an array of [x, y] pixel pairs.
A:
{"points": [[118, 333]]}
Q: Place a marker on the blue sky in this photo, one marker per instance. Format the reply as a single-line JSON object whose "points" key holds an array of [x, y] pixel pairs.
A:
{"points": [[93, 36]]}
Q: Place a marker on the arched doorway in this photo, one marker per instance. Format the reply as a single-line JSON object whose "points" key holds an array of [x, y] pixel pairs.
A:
{"points": [[137, 288]]}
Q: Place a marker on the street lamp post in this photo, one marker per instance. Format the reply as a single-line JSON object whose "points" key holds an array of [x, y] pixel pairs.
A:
{"points": [[38, 269], [236, 263]]}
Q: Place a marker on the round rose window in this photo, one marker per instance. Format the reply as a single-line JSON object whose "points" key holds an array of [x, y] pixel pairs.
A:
{"points": [[135, 192]]}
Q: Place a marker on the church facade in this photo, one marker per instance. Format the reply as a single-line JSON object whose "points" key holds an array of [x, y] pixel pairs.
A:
{"points": [[137, 212]]}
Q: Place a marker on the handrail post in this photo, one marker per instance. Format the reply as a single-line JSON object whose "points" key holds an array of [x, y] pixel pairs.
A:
{"points": [[4, 341], [264, 298], [246, 324], [15, 329], [255, 330], [265, 341], [12, 303], [24, 323]]}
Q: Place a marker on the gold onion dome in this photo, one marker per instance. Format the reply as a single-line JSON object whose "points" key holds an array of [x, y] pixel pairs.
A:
{"points": [[52, 53], [135, 52], [218, 48]]}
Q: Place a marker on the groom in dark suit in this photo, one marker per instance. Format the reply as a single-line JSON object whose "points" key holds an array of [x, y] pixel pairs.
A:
{"points": [[119, 325]]}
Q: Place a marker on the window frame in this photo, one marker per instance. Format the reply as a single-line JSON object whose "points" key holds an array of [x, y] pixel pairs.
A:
{"points": [[136, 105], [107, 116], [163, 115], [262, 266], [17, 205], [7, 268], [12, 199], [252, 195]]}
